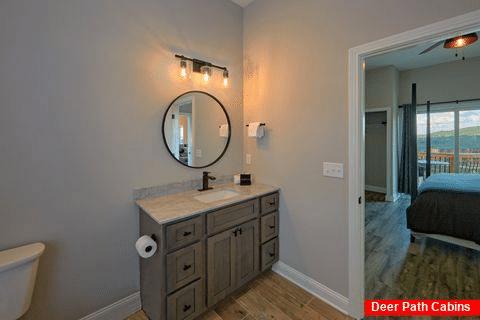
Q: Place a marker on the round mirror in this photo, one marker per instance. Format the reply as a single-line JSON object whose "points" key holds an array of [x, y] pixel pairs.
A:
{"points": [[196, 129]]}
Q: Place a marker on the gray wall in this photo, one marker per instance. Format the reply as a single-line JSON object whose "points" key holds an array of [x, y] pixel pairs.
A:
{"points": [[444, 82], [83, 90], [376, 150], [295, 80], [381, 92]]}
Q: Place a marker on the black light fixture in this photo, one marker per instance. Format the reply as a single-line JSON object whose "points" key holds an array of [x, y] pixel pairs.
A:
{"points": [[200, 66]]}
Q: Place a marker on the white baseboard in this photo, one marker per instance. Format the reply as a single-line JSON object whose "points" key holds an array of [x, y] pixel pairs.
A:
{"points": [[322, 292], [117, 310], [375, 189]]}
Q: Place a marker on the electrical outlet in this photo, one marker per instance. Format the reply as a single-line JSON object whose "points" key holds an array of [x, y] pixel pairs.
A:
{"points": [[248, 158], [198, 153], [331, 169]]}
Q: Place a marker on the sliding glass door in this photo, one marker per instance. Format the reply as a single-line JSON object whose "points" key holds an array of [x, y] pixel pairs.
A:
{"points": [[469, 142], [455, 140]]}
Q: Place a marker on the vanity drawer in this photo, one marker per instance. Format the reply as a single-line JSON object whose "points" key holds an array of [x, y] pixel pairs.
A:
{"points": [[269, 203], [186, 303], [184, 266], [223, 219], [183, 233], [269, 254], [269, 226]]}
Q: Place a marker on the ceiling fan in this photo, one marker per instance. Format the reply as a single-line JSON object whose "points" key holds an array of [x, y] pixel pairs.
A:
{"points": [[454, 43]]}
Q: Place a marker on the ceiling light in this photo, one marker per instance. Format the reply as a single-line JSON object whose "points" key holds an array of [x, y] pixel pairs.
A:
{"points": [[461, 41]]}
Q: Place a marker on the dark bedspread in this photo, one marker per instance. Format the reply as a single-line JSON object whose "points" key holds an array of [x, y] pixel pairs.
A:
{"points": [[448, 204]]}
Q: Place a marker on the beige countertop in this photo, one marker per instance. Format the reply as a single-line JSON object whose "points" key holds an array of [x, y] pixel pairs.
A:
{"points": [[171, 207]]}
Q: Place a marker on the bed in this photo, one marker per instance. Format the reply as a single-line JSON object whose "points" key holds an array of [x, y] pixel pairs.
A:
{"points": [[448, 208]]}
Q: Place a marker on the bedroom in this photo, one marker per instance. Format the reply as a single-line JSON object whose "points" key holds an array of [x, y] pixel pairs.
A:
{"points": [[454, 148]]}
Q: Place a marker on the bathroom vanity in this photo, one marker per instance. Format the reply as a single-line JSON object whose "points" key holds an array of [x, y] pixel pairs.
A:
{"points": [[209, 245]]}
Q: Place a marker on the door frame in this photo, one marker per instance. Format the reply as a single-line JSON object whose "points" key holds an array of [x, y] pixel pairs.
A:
{"points": [[356, 135]]}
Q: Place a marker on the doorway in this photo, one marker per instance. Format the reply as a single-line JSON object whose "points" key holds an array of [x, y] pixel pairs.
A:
{"points": [[356, 184]]}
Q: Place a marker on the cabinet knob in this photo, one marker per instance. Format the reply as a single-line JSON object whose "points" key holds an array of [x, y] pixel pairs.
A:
{"points": [[185, 307], [271, 203], [272, 227], [271, 254], [187, 233], [186, 267]]}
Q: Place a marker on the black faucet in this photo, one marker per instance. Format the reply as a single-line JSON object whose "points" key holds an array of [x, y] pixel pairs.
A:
{"points": [[205, 181]]}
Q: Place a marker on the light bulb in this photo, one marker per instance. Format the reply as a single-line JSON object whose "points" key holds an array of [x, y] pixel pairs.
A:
{"points": [[206, 73], [225, 78], [183, 68]]}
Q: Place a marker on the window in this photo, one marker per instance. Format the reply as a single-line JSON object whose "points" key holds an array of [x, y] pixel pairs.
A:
{"points": [[455, 139]]}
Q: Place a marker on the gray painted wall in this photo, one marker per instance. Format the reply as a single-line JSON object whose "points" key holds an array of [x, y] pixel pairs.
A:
{"points": [[296, 71], [444, 82], [376, 150], [83, 90], [381, 91]]}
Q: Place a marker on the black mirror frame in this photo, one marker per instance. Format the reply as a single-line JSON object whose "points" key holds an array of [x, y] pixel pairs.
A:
{"points": [[228, 122]]}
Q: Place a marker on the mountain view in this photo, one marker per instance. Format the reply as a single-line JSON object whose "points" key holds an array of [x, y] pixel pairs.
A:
{"points": [[444, 141]]}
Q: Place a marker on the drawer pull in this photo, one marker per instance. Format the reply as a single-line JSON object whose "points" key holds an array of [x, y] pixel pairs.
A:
{"points": [[186, 267], [186, 308], [187, 233], [239, 230], [271, 254], [271, 203], [272, 227]]}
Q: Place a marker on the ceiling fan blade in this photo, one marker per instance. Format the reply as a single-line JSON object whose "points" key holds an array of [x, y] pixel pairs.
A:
{"points": [[431, 47]]}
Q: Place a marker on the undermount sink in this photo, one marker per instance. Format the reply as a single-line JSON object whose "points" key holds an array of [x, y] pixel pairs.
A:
{"points": [[216, 195]]}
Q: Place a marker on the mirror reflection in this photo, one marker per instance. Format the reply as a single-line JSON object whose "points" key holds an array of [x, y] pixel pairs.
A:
{"points": [[196, 129]]}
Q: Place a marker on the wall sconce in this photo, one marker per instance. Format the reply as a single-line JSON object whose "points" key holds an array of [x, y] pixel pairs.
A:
{"points": [[203, 67]]}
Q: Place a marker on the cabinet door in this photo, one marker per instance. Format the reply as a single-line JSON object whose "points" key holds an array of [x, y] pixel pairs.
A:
{"points": [[221, 266], [246, 252]]}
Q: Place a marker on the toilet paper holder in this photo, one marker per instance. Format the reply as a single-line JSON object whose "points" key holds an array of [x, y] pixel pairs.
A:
{"points": [[149, 248], [262, 124]]}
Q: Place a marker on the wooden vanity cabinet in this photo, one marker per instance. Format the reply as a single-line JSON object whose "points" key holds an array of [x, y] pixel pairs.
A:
{"points": [[232, 260], [201, 259]]}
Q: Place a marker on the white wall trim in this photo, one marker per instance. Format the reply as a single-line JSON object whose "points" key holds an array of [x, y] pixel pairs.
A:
{"points": [[319, 290], [117, 310], [375, 189], [356, 137]]}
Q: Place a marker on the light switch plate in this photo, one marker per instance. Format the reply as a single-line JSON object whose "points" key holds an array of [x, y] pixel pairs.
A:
{"points": [[331, 169]]}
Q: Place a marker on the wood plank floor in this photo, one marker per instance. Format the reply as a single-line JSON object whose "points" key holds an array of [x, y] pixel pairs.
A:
{"points": [[268, 297], [427, 269]]}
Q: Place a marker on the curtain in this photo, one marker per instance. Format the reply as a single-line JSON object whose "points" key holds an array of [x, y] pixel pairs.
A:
{"points": [[407, 175]]}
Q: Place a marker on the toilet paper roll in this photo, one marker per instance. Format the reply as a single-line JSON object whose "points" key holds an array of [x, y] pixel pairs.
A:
{"points": [[145, 246], [255, 130]]}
